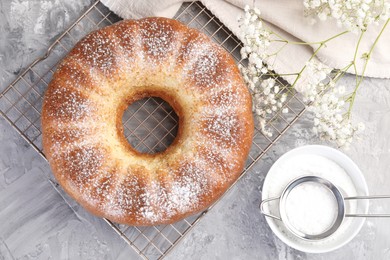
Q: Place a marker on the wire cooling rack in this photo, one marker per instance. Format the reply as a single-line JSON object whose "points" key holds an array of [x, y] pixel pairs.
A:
{"points": [[150, 124]]}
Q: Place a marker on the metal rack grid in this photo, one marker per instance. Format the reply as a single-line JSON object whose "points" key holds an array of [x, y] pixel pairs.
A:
{"points": [[150, 124]]}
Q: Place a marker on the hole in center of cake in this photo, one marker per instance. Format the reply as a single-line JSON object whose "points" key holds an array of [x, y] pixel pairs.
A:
{"points": [[150, 125]]}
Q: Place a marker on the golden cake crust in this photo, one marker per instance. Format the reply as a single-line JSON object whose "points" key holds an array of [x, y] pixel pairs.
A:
{"points": [[109, 69]]}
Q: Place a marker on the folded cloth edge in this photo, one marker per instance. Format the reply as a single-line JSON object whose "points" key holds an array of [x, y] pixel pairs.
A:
{"points": [[228, 12]]}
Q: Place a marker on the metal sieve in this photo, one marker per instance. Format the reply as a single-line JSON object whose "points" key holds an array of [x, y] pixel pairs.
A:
{"points": [[340, 201]]}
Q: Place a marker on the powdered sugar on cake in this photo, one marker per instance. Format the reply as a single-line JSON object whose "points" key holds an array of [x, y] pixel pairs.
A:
{"points": [[122, 187]]}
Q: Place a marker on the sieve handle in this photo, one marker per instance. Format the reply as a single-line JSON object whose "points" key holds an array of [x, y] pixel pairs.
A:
{"points": [[368, 198], [266, 213]]}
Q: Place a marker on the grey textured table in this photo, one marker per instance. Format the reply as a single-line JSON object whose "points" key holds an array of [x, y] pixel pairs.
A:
{"points": [[37, 223]]}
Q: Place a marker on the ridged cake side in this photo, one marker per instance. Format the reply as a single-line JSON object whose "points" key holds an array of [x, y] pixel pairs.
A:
{"points": [[82, 121]]}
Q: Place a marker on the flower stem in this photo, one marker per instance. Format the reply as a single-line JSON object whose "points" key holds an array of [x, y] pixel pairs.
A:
{"points": [[322, 43], [282, 39], [341, 73], [304, 67], [355, 56], [281, 74], [360, 79], [277, 52]]}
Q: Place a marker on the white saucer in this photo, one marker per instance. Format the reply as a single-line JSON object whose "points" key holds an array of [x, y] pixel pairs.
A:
{"points": [[348, 229]]}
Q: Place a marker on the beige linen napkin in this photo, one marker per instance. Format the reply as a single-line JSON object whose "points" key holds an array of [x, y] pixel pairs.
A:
{"points": [[286, 17]]}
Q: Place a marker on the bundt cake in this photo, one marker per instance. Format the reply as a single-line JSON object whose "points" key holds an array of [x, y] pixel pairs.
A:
{"points": [[109, 69]]}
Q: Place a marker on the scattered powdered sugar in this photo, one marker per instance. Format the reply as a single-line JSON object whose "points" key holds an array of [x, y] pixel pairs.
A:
{"points": [[158, 202], [129, 45], [223, 161], [192, 182], [222, 128], [204, 66], [98, 50], [81, 78], [179, 196], [81, 164], [65, 104], [122, 198], [60, 139], [103, 184], [138, 192], [158, 38], [185, 193], [226, 99], [205, 69]]}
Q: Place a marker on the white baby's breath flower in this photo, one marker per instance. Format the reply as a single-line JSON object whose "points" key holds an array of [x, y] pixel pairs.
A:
{"points": [[330, 120], [267, 94], [354, 15], [317, 73]]}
